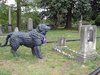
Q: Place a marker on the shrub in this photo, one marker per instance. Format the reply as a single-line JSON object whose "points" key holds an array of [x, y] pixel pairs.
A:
{"points": [[97, 21]]}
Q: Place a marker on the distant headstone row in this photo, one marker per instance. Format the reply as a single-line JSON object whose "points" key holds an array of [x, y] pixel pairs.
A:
{"points": [[29, 27]]}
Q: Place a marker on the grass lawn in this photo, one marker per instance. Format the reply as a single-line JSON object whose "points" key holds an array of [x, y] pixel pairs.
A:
{"points": [[53, 63]]}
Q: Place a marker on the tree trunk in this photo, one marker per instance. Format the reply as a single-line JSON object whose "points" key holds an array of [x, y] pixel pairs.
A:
{"points": [[56, 21], [69, 19], [94, 9], [18, 14]]}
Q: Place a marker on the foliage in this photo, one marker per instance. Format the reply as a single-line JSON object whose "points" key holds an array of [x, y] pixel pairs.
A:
{"points": [[97, 21], [4, 10], [66, 8], [55, 9], [28, 6], [3, 1], [95, 4], [82, 8], [3, 14]]}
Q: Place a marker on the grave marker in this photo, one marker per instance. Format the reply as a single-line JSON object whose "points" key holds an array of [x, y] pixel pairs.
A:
{"points": [[61, 43], [16, 29], [1, 30], [30, 24], [87, 43]]}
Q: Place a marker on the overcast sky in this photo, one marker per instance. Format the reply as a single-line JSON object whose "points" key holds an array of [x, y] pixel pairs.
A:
{"points": [[10, 2]]}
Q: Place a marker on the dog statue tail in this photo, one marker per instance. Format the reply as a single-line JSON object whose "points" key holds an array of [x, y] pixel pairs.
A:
{"points": [[7, 38]]}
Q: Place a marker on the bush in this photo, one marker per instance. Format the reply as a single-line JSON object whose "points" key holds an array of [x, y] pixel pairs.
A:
{"points": [[97, 21]]}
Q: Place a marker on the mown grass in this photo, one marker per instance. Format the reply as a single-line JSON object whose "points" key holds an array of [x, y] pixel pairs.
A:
{"points": [[53, 63]]}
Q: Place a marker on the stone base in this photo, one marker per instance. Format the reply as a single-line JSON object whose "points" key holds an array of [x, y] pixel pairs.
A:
{"points": [[9, 28], [86, 57]]}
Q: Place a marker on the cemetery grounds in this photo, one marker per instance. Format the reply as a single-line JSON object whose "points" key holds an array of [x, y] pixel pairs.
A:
{"points": [[53, 63]]}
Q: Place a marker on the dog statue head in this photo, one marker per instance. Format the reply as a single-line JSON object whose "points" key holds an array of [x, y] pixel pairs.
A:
{"points": [[43, 28]]}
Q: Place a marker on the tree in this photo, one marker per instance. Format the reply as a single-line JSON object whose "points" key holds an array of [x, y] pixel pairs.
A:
{"points": [[3, 1], [3, 14], [55, 7], [95, 4], [69, 8], [28, 5], [18, 13]]}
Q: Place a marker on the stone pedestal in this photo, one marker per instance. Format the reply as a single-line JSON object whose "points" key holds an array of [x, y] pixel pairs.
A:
{"points": [[87, 43], [9, 28]]}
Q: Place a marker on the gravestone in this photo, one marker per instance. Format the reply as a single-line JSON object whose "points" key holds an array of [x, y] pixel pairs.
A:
{"points": [[16, 29], [60, 43], [3, 28], [87, 43], [30, 24], [0, 30], [60, 46]]}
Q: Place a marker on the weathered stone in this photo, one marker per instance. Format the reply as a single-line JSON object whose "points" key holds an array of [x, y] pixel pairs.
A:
{"points": [[60, 43], [1, 31], [80, 24], [30, 24], [16, 29], [87, 43], [9, 28]]}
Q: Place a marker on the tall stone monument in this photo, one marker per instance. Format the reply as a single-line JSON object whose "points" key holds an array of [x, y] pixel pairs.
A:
{"points": [[30, 24], [87, 43], [9, 25], [80, 24]]}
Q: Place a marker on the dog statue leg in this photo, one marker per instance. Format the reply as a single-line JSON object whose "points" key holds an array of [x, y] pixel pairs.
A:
{"points": [[14, 47], [37, 51], [33, 51], [13, 51]]}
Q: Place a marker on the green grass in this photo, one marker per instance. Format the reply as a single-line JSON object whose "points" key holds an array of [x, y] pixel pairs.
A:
{"points": [[53, 63]]}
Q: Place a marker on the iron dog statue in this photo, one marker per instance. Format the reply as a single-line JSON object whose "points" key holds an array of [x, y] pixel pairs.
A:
{"points": [[32, 39]]}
